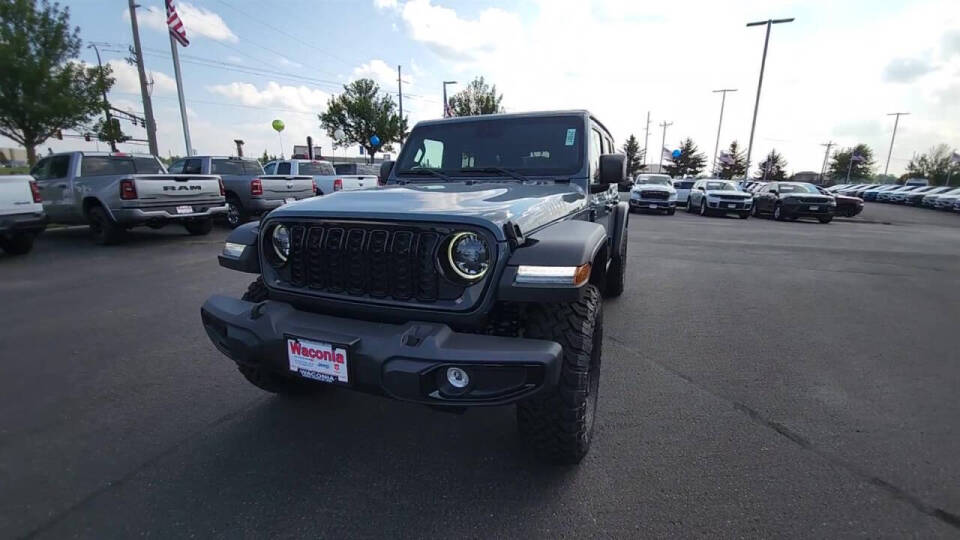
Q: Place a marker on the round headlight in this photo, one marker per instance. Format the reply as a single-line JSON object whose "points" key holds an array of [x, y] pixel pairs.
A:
{"points": [[468, 256], [281, 242]]}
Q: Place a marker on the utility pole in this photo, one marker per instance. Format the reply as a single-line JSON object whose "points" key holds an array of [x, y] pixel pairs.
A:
{"points": [[144, 94], [663, 144], [106, 104], [446, 106], [892, 137], [756, 105], [646, 139], [823, 168], [400, 96], [723, 101]]}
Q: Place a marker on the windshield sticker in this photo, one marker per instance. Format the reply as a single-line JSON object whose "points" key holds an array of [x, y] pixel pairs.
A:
{"points": [[571, 135]]}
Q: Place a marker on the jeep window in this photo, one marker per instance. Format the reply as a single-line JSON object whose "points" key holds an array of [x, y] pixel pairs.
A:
{"points": [[113, 165], [284, 168], [538, 145], [314, 168]]}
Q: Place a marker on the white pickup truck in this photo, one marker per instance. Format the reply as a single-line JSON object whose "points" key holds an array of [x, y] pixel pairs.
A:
{"points": [[21, 213], [113, 192], [323, 173]]}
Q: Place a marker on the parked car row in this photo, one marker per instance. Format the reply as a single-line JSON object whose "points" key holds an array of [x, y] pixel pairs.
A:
{"points": [[911, 194]]}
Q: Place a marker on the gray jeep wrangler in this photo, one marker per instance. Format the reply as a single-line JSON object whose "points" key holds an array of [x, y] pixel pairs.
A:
{"points": [[473, 277]]}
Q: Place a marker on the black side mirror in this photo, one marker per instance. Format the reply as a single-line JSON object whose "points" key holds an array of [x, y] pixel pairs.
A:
{"points": [[613, 168], [774, 192], [385, 169]]}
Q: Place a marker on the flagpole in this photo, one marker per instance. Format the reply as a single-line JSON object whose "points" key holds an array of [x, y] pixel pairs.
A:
{"points": [[183, 105]]}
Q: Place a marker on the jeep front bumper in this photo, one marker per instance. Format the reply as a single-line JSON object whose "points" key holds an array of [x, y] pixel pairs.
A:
{"points": [[404, 361]]}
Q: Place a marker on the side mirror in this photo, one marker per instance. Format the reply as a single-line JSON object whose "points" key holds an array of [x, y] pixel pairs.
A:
{"points": [[385, 169], [613, 168], [774, 192], [701, 188]]}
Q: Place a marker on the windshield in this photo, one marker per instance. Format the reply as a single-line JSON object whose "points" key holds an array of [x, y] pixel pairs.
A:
{"points": [[658, 179], [533, 145], [316, 168], [720, 186], [113, 165], [798, 188]]}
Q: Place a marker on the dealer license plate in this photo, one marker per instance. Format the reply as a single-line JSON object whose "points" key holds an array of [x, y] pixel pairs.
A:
{"points": [[317, 360], [289, 200], [185, 209], [814, 208], [652, 205], [731, 205]]}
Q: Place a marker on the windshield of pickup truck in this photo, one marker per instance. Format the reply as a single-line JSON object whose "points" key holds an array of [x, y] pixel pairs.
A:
{"points": [[235, 166], [657, 179], [547, 146], [111, 165], [316, 168]]}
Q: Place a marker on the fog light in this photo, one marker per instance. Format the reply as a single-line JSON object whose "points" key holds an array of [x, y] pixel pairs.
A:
{"points": [[457, 377]]}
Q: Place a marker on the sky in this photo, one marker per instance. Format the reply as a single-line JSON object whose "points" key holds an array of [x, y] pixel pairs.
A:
{"points": [[831, 75]]}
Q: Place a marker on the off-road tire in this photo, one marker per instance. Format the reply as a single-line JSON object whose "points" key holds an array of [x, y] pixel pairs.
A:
{"points": [[18, 244], [613, 286], [103, 230], [199, 227], [559, 425]]}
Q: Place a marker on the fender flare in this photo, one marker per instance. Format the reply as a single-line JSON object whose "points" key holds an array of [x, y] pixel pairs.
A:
{"points": [[621, 222]]}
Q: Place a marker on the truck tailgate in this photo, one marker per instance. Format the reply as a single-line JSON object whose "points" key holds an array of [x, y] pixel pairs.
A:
{"points": [[15, 195], [358, 181], [176, 187], [275, 186]]}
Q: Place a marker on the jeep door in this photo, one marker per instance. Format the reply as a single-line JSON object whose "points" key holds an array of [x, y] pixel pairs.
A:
{"points": [[602, 201]]}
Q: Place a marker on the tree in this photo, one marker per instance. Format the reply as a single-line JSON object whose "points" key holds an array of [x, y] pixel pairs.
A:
{"points": [[477, 98], [772, 168], [734, 163], [690, 162], [936, 165], [634, 156], [42, 87], [861, 167], [362, 112], [267, 158], [110, 132]]}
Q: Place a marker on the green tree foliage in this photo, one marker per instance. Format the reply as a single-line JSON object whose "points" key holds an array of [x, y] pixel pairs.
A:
{"points": [[841, 163], [477, 98], [634, 156], [690, 162], [42, 87], [773, 167], [362, 112], [110, 132], [267, 158], [737, 165], [936, 165]]}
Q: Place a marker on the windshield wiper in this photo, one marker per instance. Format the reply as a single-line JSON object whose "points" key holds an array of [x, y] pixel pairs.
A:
{"points": [[432, 172], [501, 170]]}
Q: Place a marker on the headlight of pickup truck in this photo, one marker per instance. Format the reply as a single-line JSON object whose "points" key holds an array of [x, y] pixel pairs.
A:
{"points": [[468, 256], [280, 238]]}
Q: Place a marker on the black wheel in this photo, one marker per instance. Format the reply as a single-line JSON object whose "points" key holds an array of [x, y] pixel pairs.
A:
{"points": [[199, 227], [755, 210], [18, 244], [703, 206], [671, 211], [236, 216], [826, 219], [615, 274], [559, 425], [103, 229], [778, 212], [689, 206], [267, 380], [744, 215]]}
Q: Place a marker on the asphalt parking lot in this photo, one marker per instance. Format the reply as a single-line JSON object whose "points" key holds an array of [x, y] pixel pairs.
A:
{"points": [[760, 379]]}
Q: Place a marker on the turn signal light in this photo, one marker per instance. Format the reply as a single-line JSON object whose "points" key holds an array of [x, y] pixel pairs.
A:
{"points": [[338, 184], [256, 187], [36, 192], [128, 190]]}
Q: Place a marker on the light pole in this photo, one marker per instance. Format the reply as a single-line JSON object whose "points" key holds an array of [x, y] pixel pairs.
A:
{"points": [[723, 101], [663, 144], [756, 105], [646, 139], [823, 168], [892, 137], [446, 106]]}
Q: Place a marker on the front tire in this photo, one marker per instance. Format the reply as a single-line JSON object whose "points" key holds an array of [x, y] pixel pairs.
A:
{"points": [[778, 212], [826, 219], [671, 211], [103, 230], [703, 207], [236, 216], [18, 244], [199, 227], [744, 215], [559, 425]]}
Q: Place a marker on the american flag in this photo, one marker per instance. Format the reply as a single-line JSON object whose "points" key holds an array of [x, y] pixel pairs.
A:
{"points": [[667, 154], [177, 30], [857, 157], [725, 158]]}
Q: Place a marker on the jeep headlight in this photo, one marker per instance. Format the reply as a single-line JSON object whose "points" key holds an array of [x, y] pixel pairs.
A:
{"points": [[468, 256], [280, 238]]}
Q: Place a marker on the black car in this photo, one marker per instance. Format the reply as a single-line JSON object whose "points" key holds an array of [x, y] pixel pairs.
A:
{"points": [[847, 206], [474, 277], [793, 200]]}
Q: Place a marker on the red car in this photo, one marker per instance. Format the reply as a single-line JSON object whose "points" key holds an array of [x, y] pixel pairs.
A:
{"points": [[846, 206]]}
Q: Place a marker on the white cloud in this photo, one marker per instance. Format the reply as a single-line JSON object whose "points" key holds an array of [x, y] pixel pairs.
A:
{"points": [[128, 80], [905, 70], [385, 4], [379, 71], [456, 38], [299, 98], [197, 20]]}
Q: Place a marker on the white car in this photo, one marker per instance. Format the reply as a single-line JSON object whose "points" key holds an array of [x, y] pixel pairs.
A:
{"points": [[653, 192], [683, 190], [715, 196], [946, 201], [21, 213]]}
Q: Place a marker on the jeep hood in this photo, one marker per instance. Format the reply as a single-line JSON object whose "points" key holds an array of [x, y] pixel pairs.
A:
{"points": [[489, 205]]}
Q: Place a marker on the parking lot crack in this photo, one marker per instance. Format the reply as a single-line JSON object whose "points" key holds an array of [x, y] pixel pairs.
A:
{"points": [[757, 417]]}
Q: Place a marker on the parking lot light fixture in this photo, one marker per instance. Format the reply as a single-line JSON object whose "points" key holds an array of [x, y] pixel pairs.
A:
{"points": [[756, 105]]}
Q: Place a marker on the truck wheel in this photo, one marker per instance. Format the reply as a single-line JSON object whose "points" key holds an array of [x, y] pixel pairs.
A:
{"points": [[199, 227], [18, 244], [613, 286], [744, 215], [559, 425], [703, 206], [235, 213], [671, 211], [826, 219], [778, 212], [103, 229]]}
